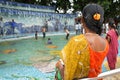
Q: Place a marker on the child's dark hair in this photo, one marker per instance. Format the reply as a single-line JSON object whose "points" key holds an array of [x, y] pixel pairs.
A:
{"points": [[93, 15], [49, 38]]}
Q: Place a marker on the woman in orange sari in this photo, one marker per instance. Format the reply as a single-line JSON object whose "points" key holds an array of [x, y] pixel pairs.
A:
{"points": [[84, 54]]}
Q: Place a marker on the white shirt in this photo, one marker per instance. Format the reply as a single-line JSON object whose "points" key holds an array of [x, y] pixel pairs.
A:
{"points": [[77, 26]]}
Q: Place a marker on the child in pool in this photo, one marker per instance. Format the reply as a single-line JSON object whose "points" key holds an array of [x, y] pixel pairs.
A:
{"points": [[49, 41]]}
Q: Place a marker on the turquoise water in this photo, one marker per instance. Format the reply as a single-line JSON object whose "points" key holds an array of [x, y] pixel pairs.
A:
{"points": [[20, 65]]}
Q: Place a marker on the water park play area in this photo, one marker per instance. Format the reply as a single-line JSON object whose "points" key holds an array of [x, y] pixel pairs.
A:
{"points": [[22, 57], [26, 58]]}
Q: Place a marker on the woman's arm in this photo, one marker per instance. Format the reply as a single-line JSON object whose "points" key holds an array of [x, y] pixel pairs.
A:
{"points": [[60, 67]]}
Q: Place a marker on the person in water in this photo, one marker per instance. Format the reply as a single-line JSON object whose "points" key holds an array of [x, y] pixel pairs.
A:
{"points": [[84, 54], [49, 41], [67, 33], [44, 32], [36, 35]]}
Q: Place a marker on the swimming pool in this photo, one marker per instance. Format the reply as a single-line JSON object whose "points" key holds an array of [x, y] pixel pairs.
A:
{"points": [[22, 58], [30, 59]]}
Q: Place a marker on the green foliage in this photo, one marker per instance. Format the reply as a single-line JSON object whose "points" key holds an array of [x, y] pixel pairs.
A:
{"points": [[63, 5], [111, 9], [26, 1], [45, 2]]}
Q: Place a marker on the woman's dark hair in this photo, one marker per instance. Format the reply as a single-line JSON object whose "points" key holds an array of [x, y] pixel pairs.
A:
{"points": [[111, 23], [93, 15]]}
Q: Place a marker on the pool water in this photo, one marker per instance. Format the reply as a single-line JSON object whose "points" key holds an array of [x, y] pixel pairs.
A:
{"points": [[22, 57], [30, 59]]}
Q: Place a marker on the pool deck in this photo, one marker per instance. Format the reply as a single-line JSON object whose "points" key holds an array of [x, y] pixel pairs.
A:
{"points": [[114, 77], [108, 75]]}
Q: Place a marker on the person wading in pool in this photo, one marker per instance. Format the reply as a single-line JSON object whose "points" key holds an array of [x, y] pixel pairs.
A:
{"points": [[44, 32], [67, 33], [36, 35]]}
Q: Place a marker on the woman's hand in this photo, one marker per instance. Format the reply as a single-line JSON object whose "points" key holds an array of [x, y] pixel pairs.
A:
{"points": [[60, 67]]}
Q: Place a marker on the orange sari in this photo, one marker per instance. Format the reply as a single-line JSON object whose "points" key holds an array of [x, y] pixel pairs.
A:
{"points": [[80, 60], [96, 60]]}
